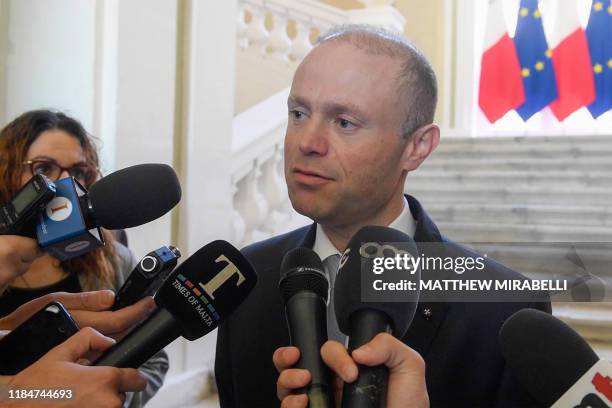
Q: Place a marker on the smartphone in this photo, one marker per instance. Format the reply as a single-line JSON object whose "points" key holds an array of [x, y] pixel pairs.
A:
{"points": [[47, 328]]}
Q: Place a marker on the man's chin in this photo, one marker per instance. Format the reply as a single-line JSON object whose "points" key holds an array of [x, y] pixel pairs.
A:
{"points": [[309, 208]]}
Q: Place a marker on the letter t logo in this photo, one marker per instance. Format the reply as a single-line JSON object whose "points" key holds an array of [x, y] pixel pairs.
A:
{"points": [[220, 278]]}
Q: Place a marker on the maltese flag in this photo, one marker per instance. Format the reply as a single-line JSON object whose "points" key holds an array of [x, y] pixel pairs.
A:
{"points": [[572, 62], [501, 85]]}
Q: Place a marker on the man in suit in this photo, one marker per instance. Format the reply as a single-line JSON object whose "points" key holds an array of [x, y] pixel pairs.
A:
{"points": [[361, 111]]}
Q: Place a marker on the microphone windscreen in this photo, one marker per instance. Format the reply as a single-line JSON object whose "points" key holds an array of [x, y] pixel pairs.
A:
{"points": [[302, 270], [207, 287], [355, 278], [134, 195], [545, 354]]}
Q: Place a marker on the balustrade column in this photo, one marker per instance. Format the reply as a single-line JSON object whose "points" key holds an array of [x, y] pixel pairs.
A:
{"points": [[280, 43], [301, 43], [251, 205], [256, 30]]}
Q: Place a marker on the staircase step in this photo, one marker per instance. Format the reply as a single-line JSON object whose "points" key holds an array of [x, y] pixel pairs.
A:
{"points": [[548, 260], [535, 148], [529, 142], [485, 163], [586, 196], [535, 214], [489, 232], [511, 177], [591, 320]]}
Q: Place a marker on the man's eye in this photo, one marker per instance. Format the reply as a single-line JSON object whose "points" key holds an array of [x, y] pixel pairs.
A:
{"points": [[345, 123], [296, 114]]}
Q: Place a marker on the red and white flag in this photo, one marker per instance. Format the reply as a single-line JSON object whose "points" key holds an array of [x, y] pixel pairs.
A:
{"points": [[501, 85], [572, 62]]}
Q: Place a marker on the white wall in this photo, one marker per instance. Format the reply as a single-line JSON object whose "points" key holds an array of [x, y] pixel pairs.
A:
{"points": [[145, 87], [50, 61], [3, 56], [206, 133]]}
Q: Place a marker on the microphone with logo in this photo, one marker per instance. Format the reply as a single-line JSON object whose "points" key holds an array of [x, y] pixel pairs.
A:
{"points": [[199, 294], [70, 224], [554, 364], [304, 288], [364, 312]]}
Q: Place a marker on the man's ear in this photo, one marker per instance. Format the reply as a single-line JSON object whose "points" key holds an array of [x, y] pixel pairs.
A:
{"points": [[421, 144]]}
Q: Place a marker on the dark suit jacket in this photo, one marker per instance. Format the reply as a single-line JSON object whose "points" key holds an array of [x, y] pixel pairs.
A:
{"points": [[458, 341]]}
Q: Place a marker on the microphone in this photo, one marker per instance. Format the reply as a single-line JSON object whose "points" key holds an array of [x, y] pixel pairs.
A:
{"points": [[17, 217], [70, 224], [147, 276], [362, 312], [199, 294], [304, 288], [556, 366]]}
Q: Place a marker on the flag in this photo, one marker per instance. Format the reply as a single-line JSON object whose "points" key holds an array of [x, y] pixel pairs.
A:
{"points": [[573, 69], [599, 36], [501, 87], [535, 59]]}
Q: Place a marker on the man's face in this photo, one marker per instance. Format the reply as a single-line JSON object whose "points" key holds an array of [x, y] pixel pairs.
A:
{"points": [[343, 147]]}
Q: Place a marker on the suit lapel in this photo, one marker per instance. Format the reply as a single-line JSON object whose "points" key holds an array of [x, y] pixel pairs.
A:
{"points": [[308, 239], [429, 315]]}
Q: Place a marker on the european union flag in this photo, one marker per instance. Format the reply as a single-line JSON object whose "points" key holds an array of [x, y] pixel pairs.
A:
{"points": [[535, 57], [599, 36]]}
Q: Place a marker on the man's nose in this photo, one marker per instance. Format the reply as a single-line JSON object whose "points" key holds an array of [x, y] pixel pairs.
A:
{"points": [[314, 139]]}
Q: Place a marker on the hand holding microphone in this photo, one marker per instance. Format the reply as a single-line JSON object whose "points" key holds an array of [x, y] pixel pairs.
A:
{"points": [[406, 387], [194, 299], [381, 357], [363, 313], [304, 288]]}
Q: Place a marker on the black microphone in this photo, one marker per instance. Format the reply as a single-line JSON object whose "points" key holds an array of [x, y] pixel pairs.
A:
{"points": [[148, 275], [70, 224], [304, 288], [133, 196], [364, 312], [554, 363], [199, 294]]}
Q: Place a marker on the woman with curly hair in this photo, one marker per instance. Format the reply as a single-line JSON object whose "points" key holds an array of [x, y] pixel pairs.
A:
{"points": [[57, 146]]}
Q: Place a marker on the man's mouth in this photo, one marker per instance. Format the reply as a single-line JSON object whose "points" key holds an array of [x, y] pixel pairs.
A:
{"points": [[309, 177]]}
